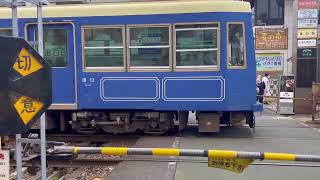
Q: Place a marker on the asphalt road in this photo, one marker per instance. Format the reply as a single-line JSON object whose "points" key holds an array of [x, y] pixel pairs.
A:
{"points": [[274, 133]]}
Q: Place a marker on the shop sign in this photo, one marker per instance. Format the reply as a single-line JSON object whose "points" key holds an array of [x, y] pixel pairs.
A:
{"points": [[307, 33], [307, 23], [4, 165], [307, 13], [287, 86], [307, 4], [307, 53], [307, 42], [269, 62], [271, 38]]}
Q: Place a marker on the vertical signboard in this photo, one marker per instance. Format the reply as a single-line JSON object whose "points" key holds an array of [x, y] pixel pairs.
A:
{"points": [[4, 165], [286, 99], [307, 35]]}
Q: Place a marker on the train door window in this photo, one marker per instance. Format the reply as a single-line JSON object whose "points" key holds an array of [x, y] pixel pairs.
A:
{"points": [[55, 45], [149, 47], [5, 32], [104, 48], [236, 46], [196, 46]]}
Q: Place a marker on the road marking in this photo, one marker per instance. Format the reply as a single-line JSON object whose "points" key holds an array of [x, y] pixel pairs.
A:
{"points": [[172, 166], [306, 125]]}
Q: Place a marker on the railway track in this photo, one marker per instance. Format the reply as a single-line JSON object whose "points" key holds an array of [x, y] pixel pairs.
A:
{"points": [[64, 166], [93, 138], [92, 162]]}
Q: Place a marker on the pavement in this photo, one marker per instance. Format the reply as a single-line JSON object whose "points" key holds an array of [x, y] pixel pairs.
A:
{"points": [[142, 170], [274, 133]]}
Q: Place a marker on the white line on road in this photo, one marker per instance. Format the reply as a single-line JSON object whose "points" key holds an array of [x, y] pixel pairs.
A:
{"points": [[172, 166], [306, 125]]}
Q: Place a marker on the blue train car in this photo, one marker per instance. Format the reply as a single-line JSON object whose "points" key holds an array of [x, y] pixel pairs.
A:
{"points": [[121, 67]]}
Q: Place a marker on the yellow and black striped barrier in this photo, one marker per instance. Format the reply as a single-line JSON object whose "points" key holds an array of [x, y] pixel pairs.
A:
{"points": [[235, 161]]}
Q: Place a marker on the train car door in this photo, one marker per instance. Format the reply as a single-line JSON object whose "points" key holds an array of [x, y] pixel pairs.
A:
{"points": [[58, 40]]}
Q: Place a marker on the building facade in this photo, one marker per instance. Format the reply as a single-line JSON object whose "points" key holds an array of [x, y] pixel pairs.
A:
{"points": [[287, 44]]}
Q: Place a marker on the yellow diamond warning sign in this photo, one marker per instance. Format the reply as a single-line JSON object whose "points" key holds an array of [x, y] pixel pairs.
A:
{"points": [[234, 164], [26, 63], [27, 108]]}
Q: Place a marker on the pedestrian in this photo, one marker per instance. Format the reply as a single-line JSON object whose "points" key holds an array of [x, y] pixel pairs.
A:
{"points": [[260, 89], [265, 79]]}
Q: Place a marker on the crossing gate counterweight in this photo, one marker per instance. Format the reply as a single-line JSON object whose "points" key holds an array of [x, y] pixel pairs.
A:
{"points": [[25, 85]]}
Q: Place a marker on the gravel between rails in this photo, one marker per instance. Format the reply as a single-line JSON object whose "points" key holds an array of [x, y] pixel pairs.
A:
{"points": [[81, 173]]}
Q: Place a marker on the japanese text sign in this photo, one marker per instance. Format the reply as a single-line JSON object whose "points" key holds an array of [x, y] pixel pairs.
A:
{"points": [[4, 165], [307, 33], [307, 53], [234, 165], [307, 13], [307, 4], [25, 86], [269, 62], [307, 42], [271, 38], [307, 23]]}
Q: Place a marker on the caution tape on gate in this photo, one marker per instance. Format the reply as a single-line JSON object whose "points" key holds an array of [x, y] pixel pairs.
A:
{"points": [[235, 161]]}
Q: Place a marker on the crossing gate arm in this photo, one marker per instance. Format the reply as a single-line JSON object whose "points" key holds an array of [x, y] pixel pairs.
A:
{"points": [[222, 154]]}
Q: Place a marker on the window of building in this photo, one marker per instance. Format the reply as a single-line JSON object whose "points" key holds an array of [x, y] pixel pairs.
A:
{"points": [[55, 46], [306, 72], [269, 12], [196, 46], [236, 45], [149, 47], [104, 47], [5, 32]]}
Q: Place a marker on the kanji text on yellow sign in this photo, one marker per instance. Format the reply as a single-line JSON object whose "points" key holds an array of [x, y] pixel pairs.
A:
{"points": [[26, 63], [27, 108], [233, 164]]}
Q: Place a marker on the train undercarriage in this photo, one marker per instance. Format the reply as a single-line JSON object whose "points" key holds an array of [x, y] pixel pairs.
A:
{"points": [[150, 122]]}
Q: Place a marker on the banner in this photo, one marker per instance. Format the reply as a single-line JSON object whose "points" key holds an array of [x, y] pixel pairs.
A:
{"points": [[269, 62]]}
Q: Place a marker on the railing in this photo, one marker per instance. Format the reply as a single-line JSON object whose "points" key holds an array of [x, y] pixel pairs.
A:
{"points": [[316, 101]]}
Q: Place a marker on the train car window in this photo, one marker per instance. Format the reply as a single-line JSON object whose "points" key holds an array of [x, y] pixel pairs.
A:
{"points": [[236, 46], [55, 45], [196, 46], [104, 47], [149, 47], [5, 32]]}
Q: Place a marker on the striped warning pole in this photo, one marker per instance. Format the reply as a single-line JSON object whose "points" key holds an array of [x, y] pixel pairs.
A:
{"points": [[224, 154]]}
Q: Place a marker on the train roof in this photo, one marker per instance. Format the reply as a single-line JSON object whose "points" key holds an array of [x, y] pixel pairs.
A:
{"points": [[132, 8]]}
